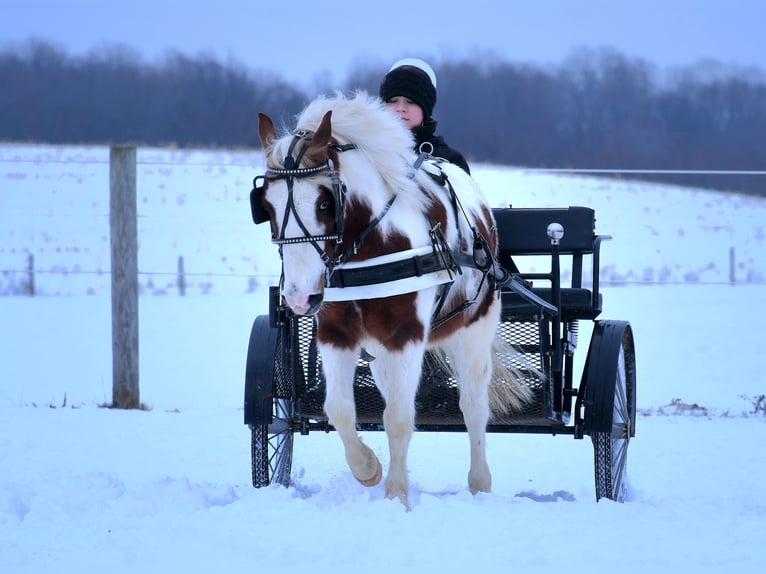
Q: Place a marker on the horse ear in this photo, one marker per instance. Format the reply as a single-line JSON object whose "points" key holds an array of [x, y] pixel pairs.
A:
{"points": [[266, 130], [322, 134]]}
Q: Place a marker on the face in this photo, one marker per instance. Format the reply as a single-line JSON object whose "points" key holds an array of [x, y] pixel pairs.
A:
{"points": [[306, 210], [312, 214], [409, 112]]}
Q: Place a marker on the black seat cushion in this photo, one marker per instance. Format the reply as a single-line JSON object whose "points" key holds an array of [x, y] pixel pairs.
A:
{"points": [[575, 303]]}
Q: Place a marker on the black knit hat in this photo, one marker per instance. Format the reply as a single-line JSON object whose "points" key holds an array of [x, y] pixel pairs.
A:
{"points": [[413, 83]]}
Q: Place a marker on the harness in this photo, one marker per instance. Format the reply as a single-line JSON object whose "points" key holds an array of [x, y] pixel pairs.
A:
{"points": [[392, 274]]}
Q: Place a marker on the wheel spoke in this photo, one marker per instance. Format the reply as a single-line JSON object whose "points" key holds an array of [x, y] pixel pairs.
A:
{"points": [[280, 458], [620, 430], [621, 412], [272, 447], [283, 443], [619, 468]]}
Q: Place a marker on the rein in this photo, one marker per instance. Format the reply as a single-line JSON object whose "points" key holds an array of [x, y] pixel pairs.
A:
{"points": [[396, 273]]}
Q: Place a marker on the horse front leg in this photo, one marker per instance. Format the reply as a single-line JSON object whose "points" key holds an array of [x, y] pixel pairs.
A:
{"points": [[397, 375], [339, 367]]}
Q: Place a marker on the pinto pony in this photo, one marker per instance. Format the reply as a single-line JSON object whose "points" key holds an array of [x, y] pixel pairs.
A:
{"points": [[395, 254]]}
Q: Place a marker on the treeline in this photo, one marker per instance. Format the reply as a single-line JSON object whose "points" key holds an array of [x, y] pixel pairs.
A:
{"points": [[596, 110], [113, 97]]}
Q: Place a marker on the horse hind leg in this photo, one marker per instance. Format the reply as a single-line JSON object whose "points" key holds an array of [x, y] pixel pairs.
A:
{"points": [[474, 403], [339, 367], [473, 367]]}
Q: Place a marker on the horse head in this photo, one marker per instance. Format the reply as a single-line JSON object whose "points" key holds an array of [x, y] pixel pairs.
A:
{"points": [[302, 196]]}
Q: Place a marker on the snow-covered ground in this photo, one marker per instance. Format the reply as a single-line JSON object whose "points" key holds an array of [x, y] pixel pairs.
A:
{"points": [[86, 489]]}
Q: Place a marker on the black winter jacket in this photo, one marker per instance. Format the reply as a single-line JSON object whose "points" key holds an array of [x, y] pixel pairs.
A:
{"points": [[427, 133]]}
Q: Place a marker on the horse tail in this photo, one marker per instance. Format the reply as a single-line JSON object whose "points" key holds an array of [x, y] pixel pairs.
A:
{"points": [[508, 391]]}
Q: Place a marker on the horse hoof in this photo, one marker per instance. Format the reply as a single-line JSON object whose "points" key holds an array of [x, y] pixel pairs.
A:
{"points": [[401, 497], [375, 479]]}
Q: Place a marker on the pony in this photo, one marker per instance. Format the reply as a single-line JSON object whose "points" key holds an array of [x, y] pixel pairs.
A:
{"points": [[394, 252]]}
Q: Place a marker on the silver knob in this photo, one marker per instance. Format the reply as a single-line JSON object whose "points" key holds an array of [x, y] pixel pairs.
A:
{"points": [[555, 232]]}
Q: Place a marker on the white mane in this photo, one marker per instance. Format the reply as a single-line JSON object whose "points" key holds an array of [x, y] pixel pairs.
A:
{"points": [[381, 138]]}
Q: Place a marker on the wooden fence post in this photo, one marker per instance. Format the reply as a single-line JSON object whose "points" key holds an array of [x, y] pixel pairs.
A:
{"points": [[181, 276], [124, 242], [31, 269]]}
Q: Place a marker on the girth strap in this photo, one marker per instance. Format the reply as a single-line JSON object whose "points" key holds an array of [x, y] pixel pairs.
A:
{"points": [[415, 266]]}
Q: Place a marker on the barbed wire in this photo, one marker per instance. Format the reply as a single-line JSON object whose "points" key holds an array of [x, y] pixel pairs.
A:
{"points": [[584, 170], [604, 282], [648, 171], [138, 162], [151, 273]]}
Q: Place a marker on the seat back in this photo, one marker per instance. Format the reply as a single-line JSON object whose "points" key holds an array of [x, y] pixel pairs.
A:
{"points": [[523, 231]]}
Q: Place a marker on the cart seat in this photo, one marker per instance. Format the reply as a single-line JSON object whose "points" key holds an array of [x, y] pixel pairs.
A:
{"points": [[523, 232], [576, 303]]}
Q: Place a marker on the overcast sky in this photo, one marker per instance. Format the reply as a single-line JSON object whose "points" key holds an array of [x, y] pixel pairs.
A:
{"points": [[305, 40]]}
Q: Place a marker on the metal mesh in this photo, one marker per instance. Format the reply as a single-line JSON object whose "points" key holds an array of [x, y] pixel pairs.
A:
{"points": [[283, 387], [524, 358], [437, 398]]}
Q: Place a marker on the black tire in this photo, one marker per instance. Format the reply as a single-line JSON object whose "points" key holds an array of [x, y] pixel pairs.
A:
{"points": [[272, 447], [610, 449], [269, 402]]}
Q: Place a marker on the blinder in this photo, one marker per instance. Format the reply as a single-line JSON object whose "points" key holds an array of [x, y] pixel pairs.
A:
{"points": [[339, 196], [260, 214]]}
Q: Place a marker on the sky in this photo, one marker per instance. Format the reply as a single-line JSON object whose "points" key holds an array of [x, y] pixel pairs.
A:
{"points": [[305, 41]]}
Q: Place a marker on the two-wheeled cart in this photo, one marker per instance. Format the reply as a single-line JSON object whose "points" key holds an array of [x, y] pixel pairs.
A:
{"points": [[284, 384]]}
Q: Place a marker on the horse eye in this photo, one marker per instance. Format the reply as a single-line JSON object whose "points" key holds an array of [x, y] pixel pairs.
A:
{"points": [[324, 206]]}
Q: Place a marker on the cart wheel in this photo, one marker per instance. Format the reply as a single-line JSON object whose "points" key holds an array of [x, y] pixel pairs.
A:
{"points": [[272, 447], [269, 406], [610, 449]]}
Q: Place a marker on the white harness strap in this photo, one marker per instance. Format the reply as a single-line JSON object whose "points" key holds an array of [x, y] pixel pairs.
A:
{"points": [[388, 288]]}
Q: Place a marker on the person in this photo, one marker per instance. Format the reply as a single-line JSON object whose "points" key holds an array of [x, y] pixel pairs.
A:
{"points": [[409, 90]]}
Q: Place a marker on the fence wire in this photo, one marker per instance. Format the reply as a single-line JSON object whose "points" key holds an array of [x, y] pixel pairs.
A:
{"points": [[156, 216]]}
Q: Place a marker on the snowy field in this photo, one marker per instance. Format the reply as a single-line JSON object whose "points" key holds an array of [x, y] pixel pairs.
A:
{"points": [[87, 489], [195, 205]]}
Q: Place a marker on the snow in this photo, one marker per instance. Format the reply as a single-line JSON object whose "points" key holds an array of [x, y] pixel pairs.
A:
{"points": [[85, 489]]}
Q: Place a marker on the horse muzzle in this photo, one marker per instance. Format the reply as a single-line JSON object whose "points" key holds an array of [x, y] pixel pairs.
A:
{"points": [[304, 304]]}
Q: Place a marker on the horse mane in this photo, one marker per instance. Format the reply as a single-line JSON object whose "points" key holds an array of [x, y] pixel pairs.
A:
{"points": [[381, 138]]}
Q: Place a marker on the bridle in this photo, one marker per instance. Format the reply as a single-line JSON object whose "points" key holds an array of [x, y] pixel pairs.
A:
{"points": [[292, 171]]}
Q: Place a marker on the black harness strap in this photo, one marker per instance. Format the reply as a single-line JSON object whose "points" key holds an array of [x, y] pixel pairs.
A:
{"points": [[415, 266], [481, 258], [354, 248]]}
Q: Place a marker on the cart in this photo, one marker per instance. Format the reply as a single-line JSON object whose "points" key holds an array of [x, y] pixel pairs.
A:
{"points": [[284, 384]]}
